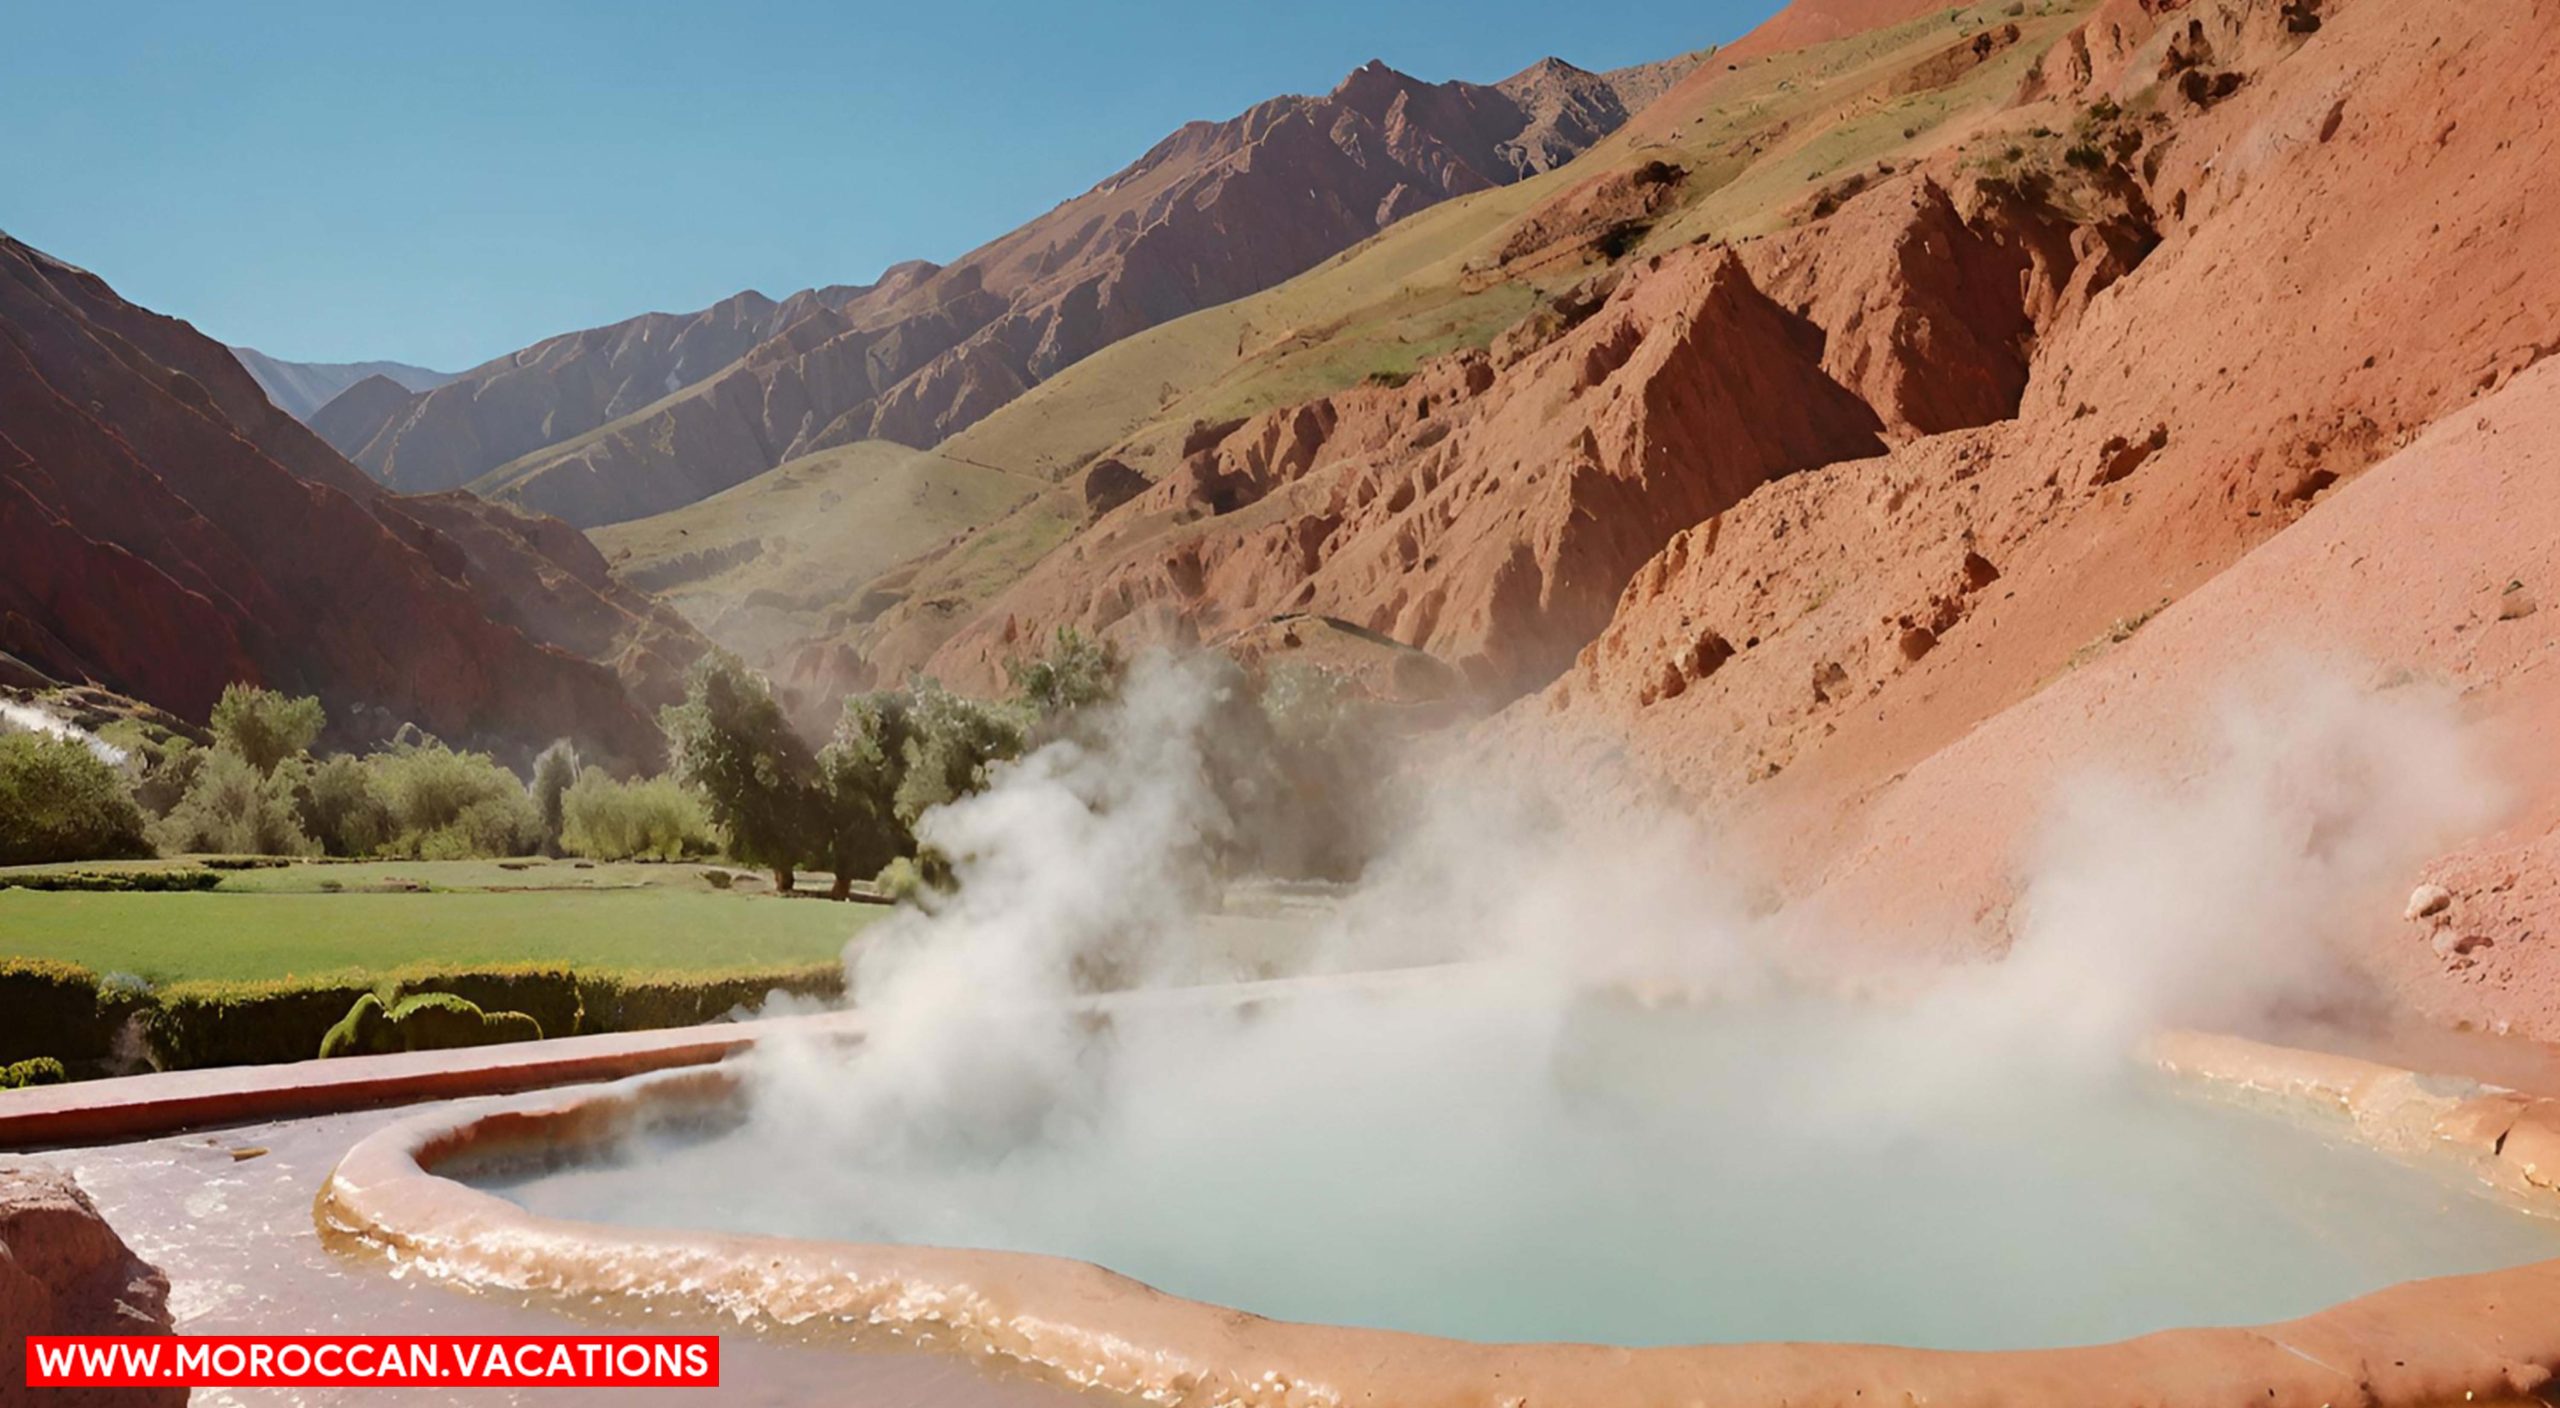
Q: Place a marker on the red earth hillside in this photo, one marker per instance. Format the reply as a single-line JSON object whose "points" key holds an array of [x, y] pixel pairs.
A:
{"points": [[165, 530]]}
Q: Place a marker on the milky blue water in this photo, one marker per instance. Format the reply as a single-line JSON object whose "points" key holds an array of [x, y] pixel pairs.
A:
{"points": [[1605, 1175]]}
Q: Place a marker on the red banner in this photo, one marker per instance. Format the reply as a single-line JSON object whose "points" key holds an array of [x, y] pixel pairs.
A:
{"points": [[374, 1361]]}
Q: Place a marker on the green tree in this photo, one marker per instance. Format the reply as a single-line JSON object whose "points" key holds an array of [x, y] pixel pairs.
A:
{"points": [[1079, 672], [341, 808], [59, 801], [231, 808], [953, 740], [733, 747], [654, 817], [265, 728], [554, 773], [446, 805], [858, 780]]}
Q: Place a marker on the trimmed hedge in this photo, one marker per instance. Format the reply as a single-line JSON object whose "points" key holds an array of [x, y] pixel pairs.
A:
{"points": [[205, 1023], [210, 1023], [110, 880], [49, 1008], [59, 1010], [646, 1001]]}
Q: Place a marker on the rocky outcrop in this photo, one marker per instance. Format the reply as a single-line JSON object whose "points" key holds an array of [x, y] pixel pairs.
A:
{"points": [[1214, 212], [1924, 645], [1483, 513], [64, 1271], [165, 530]]}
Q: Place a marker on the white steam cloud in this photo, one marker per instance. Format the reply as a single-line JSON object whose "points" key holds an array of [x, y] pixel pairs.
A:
{"points": [[1499, 1098]]}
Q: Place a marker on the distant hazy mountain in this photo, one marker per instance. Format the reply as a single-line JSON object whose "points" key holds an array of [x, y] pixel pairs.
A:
{"points": [[300, 388], [596, 428]]}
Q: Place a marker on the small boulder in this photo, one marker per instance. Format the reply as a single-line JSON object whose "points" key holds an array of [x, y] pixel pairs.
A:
{"points": [[2427, 901], [64, 1271]]}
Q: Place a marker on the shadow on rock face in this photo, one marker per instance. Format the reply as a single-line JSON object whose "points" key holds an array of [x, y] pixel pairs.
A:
{"points": [[64, 1271]]}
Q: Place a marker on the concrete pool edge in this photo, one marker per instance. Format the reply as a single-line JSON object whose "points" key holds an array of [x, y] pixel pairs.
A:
{"points": [[2486, 1338]]}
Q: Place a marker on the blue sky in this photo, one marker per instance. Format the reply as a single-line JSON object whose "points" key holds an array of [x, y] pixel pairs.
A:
{"points": [[441, 183]]}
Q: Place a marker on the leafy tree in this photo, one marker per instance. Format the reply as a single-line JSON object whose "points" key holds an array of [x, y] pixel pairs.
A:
{"points": [[265, 728], [446, 805], [733, 747], [608, 820], [858, 780], [59, 801], [232, 808], [1079, 672], [342, 809], [954, 739], [554, 772]]}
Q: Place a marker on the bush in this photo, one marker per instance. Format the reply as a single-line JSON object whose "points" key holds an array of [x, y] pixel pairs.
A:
{"points": [[546, 992], [432, 1021], [59, 801], [364, 1031], [439, 1021], [54, 1009], [446, 805], [232, 807], [263, 728], [900, 881], [653, 817], [342, 809], [40, 1070]]}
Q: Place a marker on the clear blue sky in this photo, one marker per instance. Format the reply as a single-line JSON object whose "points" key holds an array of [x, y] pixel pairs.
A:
{"points": [[443, 182]]}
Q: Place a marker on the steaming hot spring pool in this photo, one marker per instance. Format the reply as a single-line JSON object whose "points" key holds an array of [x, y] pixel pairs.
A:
{"points": [[1585, 1171]]}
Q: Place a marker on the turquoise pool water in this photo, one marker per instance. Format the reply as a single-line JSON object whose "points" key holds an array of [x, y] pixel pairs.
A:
{"points": [[1589, 1172]]}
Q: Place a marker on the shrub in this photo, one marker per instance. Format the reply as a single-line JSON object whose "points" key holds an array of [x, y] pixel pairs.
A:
{"points": [[342, 810], [446, 805], [59, 801], [547, 992], [265, 728], [40, 1070], [48, 1008], [233, 807], [364, 1031], [650, 817], [434, 1021], [440, 1021], [900, 881]]}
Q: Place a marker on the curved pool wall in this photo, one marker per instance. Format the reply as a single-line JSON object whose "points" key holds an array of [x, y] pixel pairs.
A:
{"points": [[2489, 1338]]}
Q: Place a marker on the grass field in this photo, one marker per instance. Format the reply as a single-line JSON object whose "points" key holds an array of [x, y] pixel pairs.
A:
{"points": [[284, 922]]}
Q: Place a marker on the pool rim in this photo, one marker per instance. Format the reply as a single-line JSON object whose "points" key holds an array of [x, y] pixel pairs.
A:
{"points": [[2485, 1338]]}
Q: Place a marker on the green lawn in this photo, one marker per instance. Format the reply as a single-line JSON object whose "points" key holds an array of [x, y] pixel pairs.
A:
{"points": [[283, 922]]}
